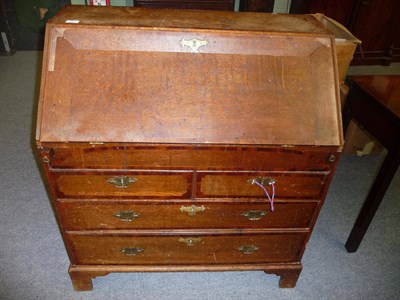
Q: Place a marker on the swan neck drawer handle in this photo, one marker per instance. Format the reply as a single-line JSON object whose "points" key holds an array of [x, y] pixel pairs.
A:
{"points": [[126, 216], [132, 251], [248, 249], [254, 215]]}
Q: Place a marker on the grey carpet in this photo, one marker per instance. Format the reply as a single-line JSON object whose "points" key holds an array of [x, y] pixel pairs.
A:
{"points": [[33, 262]]}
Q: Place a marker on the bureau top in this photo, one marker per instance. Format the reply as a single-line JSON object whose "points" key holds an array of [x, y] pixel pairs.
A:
{"points": [[189, 19], [170, 76]]}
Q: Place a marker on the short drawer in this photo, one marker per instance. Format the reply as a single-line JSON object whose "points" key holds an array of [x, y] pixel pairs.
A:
{"points": [[184, 249], [87, 215], [287, 185], [122, 185], [192, 157]]}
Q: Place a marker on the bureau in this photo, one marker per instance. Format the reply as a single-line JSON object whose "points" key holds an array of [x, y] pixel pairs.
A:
{"points": [[187, 140]]}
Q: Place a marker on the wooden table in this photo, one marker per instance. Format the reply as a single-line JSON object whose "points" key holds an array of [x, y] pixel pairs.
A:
{"points": [[374, 102]]}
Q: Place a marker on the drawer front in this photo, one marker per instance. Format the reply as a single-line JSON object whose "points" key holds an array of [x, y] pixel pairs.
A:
{"points": [[287, 185], [197, 158], [81, 215], [131, 184], [153, 250]]}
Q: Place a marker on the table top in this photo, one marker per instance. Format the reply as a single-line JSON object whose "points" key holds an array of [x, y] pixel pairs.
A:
{"points": [[384, 88]]}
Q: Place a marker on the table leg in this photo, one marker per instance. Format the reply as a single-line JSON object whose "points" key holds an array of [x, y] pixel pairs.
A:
{"points": [[374, 198]]}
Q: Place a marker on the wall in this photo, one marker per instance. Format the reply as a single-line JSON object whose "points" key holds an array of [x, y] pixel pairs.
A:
{"points": [[282, 6]]}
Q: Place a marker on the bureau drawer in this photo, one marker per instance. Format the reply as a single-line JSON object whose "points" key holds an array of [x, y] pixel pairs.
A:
{"points": [[287, 185], [86, 215], [188, 157], [183, 249], [127, 184]]}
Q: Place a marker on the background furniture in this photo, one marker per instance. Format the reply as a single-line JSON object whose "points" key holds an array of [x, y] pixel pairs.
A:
{"points": [[375, 22], [374, 102], [257, 5], [187, 4]]}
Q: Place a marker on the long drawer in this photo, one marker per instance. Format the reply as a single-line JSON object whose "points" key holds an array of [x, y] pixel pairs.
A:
{"points": [[87, 215], [287, 185], [122, 184], [183, 249], [84, 156]]}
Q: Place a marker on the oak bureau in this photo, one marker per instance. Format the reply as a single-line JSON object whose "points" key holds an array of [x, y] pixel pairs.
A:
{"points": [[187, 140]]}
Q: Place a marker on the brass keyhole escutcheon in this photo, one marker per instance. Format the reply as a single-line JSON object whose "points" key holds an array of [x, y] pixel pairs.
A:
{"points": [[192, 210], [121, 182], [190, 241], [193, 44]]}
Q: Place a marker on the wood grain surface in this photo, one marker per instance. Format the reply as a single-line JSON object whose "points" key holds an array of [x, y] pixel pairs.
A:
{"points": [[143, 85], [92, 215], [169, 250], [187, 157], [147, 184]]}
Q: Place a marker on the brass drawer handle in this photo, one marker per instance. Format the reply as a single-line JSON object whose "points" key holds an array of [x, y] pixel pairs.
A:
{"points": [[121, 182], [126, 216], [254, 215], [248, 249], [191, 241], [131, 251], [262, 181], [192, 210]]}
